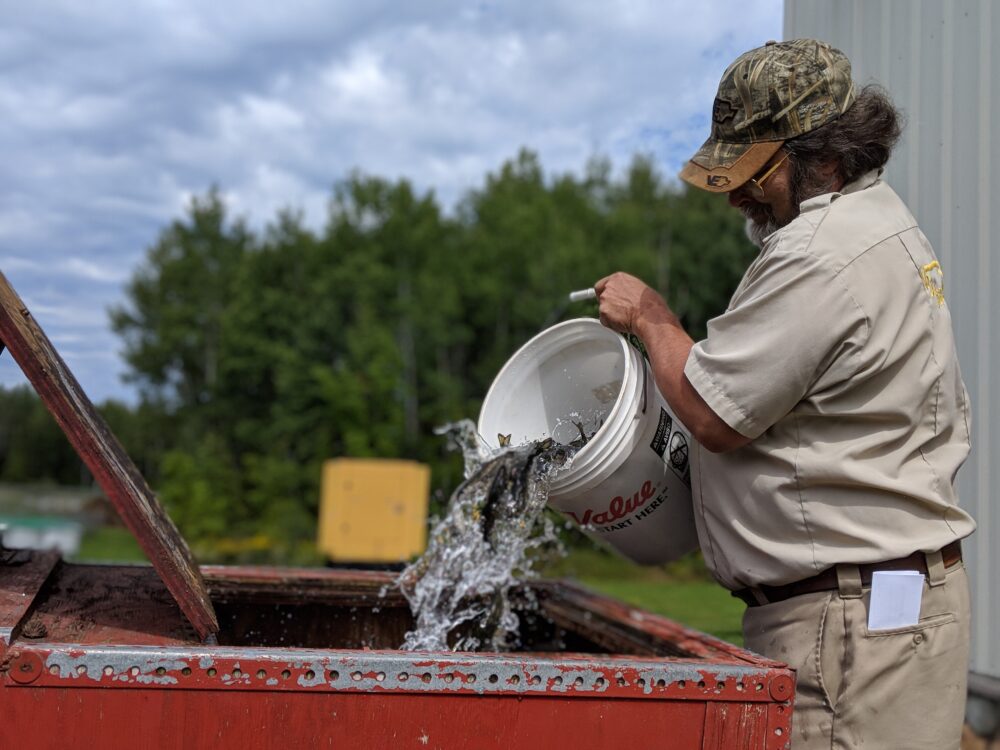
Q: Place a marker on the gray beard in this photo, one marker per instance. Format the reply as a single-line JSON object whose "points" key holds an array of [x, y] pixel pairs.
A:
{"points": [[757, 230]]}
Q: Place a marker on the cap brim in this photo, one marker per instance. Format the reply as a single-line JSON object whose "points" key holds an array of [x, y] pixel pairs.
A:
{"points": [[722, 167]]}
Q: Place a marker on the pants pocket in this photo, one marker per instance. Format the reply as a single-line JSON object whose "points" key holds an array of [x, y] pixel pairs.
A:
{"points": [[830, 651], [924, 623]]}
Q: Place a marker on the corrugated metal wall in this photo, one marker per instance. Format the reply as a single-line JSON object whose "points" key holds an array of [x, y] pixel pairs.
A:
{"points": [[935, 58]]}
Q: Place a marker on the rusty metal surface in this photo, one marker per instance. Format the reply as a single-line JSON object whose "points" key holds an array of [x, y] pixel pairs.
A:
{"points": [[294, 698], [21, 578], [115, 647], [104, 456], [294, 585], [121, 604], [590, 612]]}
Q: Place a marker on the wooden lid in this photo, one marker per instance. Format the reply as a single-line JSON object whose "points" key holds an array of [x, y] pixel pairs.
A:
{"points": [[100, 450]]}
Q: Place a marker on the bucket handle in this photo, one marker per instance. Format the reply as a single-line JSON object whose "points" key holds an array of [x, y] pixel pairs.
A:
{"points": [[637, 344], [645, 377]]}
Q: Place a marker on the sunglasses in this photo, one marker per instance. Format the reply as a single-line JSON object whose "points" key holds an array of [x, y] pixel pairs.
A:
{"points": [[758, 182]]}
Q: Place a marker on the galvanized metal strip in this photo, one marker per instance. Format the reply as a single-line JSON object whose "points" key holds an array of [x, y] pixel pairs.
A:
{"points": [[577, 676], [104, 456]]}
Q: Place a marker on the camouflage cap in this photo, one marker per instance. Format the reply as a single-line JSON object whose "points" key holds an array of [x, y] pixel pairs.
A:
{"points": [[766, 97]]}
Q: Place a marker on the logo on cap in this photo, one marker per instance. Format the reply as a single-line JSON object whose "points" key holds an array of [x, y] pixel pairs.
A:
{"points": [[722, 110], [717, 180]]}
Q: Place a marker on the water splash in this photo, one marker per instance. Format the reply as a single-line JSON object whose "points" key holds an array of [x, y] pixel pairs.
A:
{"points": [[459, 589]]}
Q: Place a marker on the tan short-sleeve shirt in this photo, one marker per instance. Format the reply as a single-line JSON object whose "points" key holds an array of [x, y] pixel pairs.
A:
{"points": [[836, 356]]}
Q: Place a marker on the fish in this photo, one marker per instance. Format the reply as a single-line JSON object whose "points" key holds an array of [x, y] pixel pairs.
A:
{"points": [[494, 511]]}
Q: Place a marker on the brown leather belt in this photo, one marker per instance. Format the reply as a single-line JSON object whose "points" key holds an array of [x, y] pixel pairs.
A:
{"points": [[827, 580]]}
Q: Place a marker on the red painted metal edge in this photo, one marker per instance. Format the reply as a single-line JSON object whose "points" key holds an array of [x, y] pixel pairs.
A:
{"points": [[258, 669], [100, 450]]}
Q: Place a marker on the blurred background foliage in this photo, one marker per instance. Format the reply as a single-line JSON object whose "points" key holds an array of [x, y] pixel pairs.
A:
{"points": [[258, 355]]}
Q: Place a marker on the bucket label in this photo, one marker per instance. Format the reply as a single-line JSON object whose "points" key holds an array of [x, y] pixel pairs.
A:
{"points": [[620, 507], [662, 434], [679, 460]]}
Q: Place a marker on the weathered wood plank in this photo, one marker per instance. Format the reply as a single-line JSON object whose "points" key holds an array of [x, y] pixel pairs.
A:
{"points": [[100, 450]]}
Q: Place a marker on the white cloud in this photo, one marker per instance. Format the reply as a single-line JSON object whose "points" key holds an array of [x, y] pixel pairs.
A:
{"points": [[85, 269]]}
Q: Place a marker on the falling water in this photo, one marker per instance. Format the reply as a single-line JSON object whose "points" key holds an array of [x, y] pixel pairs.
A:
{"points": [[482, 547]]}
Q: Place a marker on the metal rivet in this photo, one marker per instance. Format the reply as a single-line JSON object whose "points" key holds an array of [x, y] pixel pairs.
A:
{"points": [[661, 683], [261, 674], [578, 681], [161, 671], [739, 687], [403, 677], [536, 680], [109, 670], [135, 671], [82, 669], [335, 675], [471, 678], [449, 678], [641, 682], [721, 685], [285, 674], [681, 684], [380, 676], [211, 672], [186, 671], [425, 677], [494, 679], [53, 670], [621, 682], [918, 638], [779, 731], [557, 680], [599, 682], [701, 683]]}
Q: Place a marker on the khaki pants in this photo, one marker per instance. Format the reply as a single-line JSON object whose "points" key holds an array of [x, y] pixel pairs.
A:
{"points": [[900, 689]]}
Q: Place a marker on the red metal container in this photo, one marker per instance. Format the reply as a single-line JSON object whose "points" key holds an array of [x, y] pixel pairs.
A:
{"points": [[176, 656]]}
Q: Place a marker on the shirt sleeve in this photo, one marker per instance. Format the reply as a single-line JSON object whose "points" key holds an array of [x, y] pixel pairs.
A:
{"points": [[792, 321]]}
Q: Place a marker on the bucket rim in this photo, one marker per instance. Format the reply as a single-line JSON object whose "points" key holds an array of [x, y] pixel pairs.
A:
{"points": [[628, 374]]}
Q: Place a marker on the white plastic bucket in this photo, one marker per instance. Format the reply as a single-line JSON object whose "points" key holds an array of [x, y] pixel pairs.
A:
{"points": [[630, 484]]}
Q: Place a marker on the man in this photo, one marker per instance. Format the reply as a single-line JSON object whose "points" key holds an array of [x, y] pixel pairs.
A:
{"points": [[828, 403]]}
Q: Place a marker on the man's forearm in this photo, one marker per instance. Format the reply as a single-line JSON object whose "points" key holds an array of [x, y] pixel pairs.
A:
{"points": [[668, 346]]}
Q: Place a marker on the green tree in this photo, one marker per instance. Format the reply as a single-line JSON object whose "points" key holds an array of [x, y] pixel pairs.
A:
{"points": [[172, 326], [260, 355]]}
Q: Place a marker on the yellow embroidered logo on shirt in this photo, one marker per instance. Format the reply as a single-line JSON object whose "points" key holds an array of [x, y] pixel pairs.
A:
{"points": [[933, 278]]}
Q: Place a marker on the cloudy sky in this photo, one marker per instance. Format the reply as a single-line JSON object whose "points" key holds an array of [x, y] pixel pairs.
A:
{"points": [[113, 114]]}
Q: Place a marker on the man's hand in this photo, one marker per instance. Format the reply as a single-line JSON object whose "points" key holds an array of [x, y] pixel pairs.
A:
{"points": [[630, 306], [626, 302]]}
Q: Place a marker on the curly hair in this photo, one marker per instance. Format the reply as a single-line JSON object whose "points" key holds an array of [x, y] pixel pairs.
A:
{"points": [[858, 141]]}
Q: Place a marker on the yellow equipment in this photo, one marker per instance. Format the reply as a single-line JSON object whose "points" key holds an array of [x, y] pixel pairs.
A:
{"points": [[373, 510]]}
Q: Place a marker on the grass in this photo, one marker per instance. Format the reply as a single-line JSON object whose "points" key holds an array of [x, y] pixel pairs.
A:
{"points": [[682, 591], [109, 544], [701, 605]]}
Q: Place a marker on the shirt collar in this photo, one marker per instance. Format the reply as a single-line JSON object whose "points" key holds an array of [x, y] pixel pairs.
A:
{"points": [[865, 181]]}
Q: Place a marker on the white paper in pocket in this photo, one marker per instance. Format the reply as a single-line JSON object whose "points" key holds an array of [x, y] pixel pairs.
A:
{"points": [[895, 599]]}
